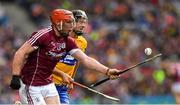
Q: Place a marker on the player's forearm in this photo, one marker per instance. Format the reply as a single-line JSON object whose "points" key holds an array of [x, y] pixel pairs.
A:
{"points": [[17, 64], [95, 65], [58, 72], [89, 62]]}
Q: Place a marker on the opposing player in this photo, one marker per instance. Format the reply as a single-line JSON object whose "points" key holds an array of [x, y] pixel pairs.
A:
{"points": [[35, 60], [69, 64], [173, 71]]}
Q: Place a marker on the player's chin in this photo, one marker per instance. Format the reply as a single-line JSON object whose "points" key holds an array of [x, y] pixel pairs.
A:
{"points": [[70, 30]]}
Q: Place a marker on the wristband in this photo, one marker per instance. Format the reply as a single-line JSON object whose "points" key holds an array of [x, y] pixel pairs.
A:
{"points": [[107, 71], [15, 82]]}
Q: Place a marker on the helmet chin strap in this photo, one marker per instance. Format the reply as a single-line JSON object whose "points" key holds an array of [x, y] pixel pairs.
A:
{"points": [[59, 29]]}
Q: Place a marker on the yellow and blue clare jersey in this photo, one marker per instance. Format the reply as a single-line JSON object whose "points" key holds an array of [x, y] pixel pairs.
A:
{"points": [[68, 63]]}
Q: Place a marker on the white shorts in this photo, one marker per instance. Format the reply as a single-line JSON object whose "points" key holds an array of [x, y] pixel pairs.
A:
{"points": [[176, 87], [35, 94]]}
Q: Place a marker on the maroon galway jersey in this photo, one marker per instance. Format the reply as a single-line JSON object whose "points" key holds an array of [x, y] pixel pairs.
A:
{"points": [[49, 49]]}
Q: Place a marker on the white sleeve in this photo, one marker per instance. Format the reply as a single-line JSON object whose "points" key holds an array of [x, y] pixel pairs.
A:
{"points": [[73, 51]]}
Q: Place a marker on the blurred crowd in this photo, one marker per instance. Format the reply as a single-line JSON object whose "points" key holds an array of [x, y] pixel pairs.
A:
{"points": [[118, 32]]}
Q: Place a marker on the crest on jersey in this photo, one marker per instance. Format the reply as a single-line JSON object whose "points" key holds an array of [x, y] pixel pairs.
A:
{"points": [[57, 50], [61, 46], [57, 46]]}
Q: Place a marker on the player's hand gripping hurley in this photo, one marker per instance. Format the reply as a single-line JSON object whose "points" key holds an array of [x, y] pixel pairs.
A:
{"points": [[125, 70]]}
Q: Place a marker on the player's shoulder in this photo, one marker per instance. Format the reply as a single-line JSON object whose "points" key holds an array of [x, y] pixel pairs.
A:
{"points": [[42, 31], [81, 42], [70, 39], [82, 39], [42, 35]]}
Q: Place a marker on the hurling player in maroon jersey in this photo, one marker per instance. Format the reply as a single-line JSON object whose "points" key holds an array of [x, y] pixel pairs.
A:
{"points": [[35, 60]]}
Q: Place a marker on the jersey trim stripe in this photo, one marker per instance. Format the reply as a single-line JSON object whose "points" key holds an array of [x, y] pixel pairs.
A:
{"points": [[73, 51], [40, 32], [29, 99], [38, 35], [37, 62]]}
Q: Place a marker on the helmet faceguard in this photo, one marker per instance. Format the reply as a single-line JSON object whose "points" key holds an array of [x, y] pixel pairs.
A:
{"points": [[79, 14], [58, 17]]}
